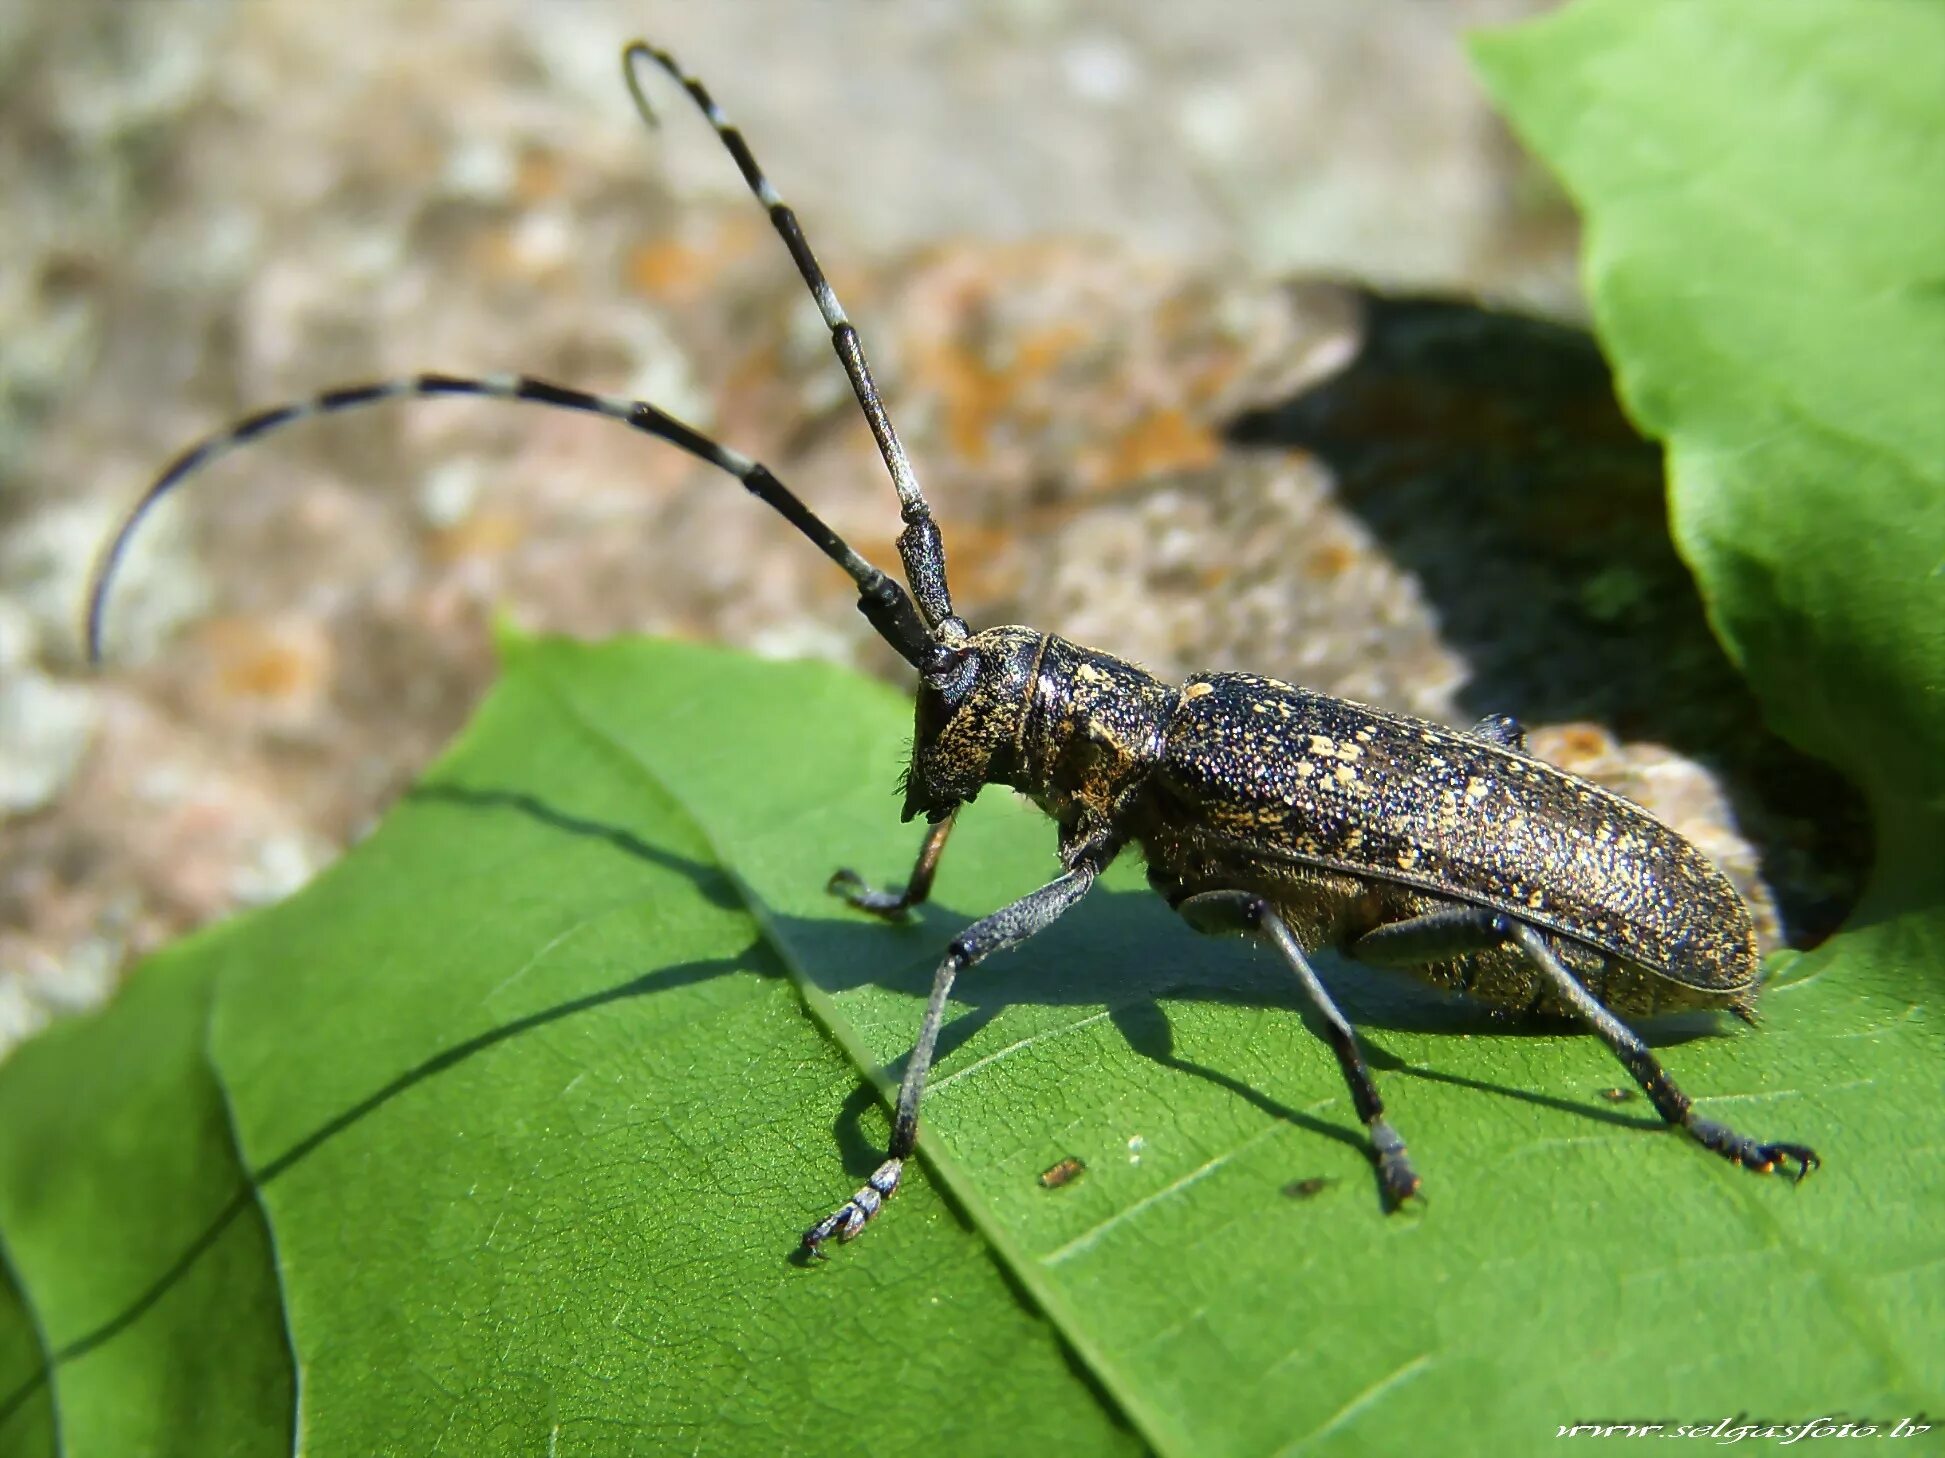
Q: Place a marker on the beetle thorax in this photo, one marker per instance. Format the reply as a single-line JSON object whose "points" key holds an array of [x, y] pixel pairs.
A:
{"points": [[1073, 728], [1093, 730]]}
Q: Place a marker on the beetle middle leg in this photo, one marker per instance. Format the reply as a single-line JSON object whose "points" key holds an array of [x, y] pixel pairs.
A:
{"points": [[1007, 927], [892, 905], [1246, 911], [1457, 930]]}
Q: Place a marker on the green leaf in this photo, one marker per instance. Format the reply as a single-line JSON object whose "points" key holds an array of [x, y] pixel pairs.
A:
{"points": [[1189, 1279], [531, 1095], [535, 1116], [540, 1083], [26, 1405], [1766, 260], [140, 1259], [1765, 232]]}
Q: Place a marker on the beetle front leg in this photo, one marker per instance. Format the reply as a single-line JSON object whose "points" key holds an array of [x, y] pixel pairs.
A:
{"points": [[1010, 925], [1441, 934], [1210, 910], [892, 905]]}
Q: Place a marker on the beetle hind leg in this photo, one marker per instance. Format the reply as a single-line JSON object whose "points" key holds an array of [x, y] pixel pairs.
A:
{"points": [[1212, 911], [1457, 930]]}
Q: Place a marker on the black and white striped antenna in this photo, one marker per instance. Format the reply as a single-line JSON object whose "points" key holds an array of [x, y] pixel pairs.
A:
{"points": [[918, 545], [918, 634]]}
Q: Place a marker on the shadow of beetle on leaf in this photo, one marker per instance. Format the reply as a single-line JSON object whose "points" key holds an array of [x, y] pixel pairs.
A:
{"points": [[1121, 950]]}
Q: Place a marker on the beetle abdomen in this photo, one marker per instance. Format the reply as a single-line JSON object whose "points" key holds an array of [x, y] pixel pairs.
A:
{"points": [[1281, 773]]}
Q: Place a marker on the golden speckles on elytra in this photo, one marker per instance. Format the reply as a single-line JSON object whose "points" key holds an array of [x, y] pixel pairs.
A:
{"points": [[1323, 744], [1408, 858], [1368, 733], [1306, 768], [1476, 790], [1198, 690], [1346, 775]]}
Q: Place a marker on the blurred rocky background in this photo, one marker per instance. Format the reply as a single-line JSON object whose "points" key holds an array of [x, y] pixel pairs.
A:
{"points": [[1102, 256]]}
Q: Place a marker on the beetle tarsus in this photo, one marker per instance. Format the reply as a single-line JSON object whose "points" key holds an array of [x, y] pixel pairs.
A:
{"points": [[1742, 1150], [848, 1221], [1395, 1170]]}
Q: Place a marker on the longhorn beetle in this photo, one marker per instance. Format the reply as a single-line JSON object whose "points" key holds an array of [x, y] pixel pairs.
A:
{"points": [[1303, 820]]}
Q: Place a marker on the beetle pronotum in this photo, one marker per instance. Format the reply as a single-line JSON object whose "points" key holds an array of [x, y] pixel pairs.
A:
{"points": [[1298, 818]]}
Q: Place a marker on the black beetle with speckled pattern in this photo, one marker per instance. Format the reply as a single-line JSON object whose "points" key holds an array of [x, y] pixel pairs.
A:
{"points": [[1301, 819]]}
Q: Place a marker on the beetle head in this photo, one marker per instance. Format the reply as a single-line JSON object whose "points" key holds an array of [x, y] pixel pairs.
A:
{"points": [[972, 697]]}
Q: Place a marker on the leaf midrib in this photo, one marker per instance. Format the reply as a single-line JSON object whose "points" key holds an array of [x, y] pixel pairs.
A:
{"points": [[1155, 1426]]}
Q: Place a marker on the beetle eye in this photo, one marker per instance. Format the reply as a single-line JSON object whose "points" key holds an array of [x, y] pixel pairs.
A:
{"points": [[949, 670]]}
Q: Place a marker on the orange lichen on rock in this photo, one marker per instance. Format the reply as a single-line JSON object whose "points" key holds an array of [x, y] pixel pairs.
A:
{"points": [[974, 395], [285, 665], [271, 671], [959, 346], [1332, 559], [1162, 440], [1581, 748], [537, 175], [491, 532], [986, 561], [683, 269]]}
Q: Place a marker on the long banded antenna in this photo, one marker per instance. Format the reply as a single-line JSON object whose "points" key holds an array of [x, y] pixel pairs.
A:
{"points": [[919, 545], [883, 602]]}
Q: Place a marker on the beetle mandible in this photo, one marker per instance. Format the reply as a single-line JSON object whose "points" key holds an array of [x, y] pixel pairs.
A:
{"points": [[1303, 820]]}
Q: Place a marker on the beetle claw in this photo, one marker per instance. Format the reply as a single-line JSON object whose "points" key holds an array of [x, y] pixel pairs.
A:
{"points": [[1758, 1158], [859, 894], [1775, 1156]]}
